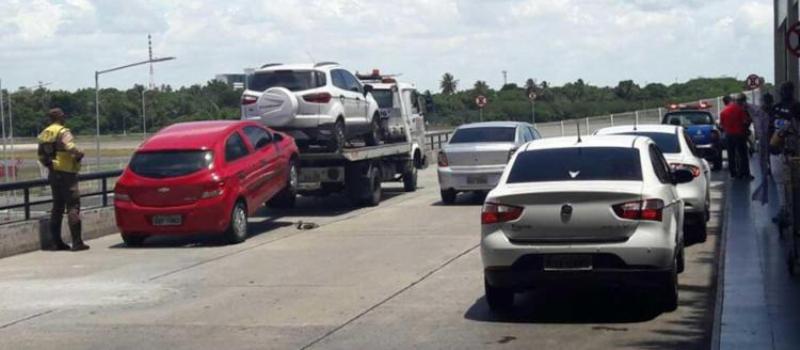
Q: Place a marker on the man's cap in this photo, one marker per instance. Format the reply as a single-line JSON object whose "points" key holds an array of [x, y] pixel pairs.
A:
{"points": [[56, 113]]}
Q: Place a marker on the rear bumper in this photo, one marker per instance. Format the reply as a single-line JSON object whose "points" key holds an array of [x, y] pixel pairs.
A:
{"points": [[646, 248], [202, 217], [694, 195], [522, 277], [463, 179], [710, 151]]}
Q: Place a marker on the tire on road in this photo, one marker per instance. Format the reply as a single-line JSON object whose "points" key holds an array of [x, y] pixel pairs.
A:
{"points": [[288, 195], [237, 229], [132, 240], [410, 178], [499, 299], [448, 196]]}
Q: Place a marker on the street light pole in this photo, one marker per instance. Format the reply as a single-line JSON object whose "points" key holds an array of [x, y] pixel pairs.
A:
{"points": [[144, 116], [97, 97], [3, 131]]}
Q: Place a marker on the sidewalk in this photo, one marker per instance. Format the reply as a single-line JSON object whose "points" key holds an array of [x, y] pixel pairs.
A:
{"points": [[761, 301]]}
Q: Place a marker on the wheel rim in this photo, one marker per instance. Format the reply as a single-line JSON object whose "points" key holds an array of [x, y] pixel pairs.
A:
{"points": [[239, 221], [292, 178]]}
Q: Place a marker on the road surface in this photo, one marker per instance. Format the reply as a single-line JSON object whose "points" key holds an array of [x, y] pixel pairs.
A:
{"points": [[406, 274]]}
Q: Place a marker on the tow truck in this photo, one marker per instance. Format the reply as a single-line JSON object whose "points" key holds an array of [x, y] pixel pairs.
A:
{"points": [[359, 170], [701, 127]]}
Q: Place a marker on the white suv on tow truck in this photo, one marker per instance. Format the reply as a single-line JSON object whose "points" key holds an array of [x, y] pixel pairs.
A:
{"points": [[319, 104]]}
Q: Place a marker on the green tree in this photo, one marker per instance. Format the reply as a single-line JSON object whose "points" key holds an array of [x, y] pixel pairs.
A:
{"points": [[449, 84]]}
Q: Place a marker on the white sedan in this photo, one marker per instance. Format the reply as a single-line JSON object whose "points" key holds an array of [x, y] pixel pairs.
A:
{"points": [[680, 152], [598, 210]]}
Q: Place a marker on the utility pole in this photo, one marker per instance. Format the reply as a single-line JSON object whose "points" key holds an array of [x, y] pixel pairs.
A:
{"points": [[505, 78], [3, 127]]}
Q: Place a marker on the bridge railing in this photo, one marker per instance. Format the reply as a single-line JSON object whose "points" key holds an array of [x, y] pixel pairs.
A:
{"points": [[30, 186], [436, 139]]}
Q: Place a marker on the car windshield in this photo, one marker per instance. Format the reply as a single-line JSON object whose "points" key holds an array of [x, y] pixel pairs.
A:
{"points": [[164, 164], [688, 118], [294, 80], [667, 142], [385, 98], [484, 134], [577, 164]]}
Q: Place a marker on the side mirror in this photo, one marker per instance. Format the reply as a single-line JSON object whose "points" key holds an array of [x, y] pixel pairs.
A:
{"points": [[276, 137], [368, 89], [681, 176]]}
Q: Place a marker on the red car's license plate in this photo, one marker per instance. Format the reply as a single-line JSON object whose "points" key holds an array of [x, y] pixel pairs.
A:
{"points": [[167, 220]]}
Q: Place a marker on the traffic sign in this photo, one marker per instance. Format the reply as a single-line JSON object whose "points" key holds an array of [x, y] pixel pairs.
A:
{"points": [[481, 101], [532, 95], [792, 39], [753, 82]]}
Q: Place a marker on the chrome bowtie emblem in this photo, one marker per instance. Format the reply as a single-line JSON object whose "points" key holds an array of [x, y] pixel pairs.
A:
{"points": [[163, 190], [574, 174]]}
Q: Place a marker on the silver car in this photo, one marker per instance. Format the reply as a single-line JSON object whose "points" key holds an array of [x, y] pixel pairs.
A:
{"points": [[599, 210], [476, 155]]}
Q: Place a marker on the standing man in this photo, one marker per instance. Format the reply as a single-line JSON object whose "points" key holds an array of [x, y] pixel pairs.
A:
{"points": [[57, 152], [735, 123]]}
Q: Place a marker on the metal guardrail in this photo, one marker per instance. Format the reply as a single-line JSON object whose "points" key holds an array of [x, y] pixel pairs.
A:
{"points": [[26, 186], [437, 138]]}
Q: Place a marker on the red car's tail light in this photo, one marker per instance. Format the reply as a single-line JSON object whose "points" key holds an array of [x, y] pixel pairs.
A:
{"points": [[249, 99], [322, 97], [121, 194], [694, 169], [215, 190], [443, 159], [494, 213], [650, 210]]}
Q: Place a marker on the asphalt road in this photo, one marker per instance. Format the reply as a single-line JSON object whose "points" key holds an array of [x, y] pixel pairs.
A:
{"points": [[406, 274]]}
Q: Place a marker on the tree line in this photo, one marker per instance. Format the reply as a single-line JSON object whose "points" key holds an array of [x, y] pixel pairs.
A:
{"points": [[121, 110]]}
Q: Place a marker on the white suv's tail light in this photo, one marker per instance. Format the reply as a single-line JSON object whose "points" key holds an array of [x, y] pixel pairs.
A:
{"points": [[649, 210], [322, 97], [249, 99], [495, 213]]}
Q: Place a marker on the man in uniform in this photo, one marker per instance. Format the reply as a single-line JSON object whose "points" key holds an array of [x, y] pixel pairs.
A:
{"points": [[57, 152]]}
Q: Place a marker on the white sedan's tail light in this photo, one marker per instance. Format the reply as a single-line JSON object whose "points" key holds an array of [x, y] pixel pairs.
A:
{"points": [[494, 213], [649, 210], [694, 169], [443, 159]]}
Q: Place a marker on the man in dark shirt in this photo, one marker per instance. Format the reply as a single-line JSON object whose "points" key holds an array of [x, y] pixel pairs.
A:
{"points": [[735, 122]]}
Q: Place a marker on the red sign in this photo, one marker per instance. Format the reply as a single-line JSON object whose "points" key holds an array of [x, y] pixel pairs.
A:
{"points": [[754, 82], [792, 39], [481, 101]]}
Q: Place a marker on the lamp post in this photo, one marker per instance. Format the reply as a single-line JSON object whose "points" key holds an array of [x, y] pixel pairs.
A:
{"points": [[97, 96]]}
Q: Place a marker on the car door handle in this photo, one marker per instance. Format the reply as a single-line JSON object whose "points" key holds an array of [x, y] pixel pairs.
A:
{"points": [[341, 97], [241, 175]]}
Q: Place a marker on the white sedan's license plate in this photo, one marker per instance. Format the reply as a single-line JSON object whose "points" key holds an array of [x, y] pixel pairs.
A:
{"points": [[569, 262], [477, 179], [167, 220]]}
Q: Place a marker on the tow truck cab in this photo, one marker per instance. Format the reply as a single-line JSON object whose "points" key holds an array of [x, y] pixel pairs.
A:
{"points": [[701, 128]]}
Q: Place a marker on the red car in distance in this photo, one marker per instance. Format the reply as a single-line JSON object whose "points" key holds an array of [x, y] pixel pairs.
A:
{"points": [[204, 177]]}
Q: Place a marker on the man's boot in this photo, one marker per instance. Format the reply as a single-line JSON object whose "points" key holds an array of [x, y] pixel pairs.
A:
{"points": [[77, 241], [55, 234]]}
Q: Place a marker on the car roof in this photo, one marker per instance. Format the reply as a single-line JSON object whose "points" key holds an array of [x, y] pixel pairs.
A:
{"points": [[191, 135], [298, 66], [658, 128], [502, 124], [624, 141]]}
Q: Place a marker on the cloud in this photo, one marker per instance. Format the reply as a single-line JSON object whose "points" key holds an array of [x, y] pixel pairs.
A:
{"points": [[601, 41]]}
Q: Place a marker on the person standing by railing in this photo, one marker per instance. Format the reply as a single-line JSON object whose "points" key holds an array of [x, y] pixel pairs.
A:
{"points": [[59, 154]]}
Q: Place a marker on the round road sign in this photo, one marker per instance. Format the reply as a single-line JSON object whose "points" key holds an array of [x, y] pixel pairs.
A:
{"points": [[532, 95], [753, 82], [481, 101], [792, 39]]}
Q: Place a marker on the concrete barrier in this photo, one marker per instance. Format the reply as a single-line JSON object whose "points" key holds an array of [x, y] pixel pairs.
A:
{"points": [[32, 235]]}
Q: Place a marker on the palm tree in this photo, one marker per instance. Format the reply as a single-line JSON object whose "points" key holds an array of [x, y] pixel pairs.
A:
{"points": [[530, 85], [480, 87], [448, 84]]}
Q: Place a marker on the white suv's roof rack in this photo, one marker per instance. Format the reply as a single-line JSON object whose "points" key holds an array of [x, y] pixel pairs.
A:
{"points": [[325, 64]]}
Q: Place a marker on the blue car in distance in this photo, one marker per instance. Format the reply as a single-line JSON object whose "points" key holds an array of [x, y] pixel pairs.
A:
{"points": [[701, 128]]}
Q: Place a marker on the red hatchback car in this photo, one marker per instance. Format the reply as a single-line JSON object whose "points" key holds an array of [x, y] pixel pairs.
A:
{"points": [[204, 177]]}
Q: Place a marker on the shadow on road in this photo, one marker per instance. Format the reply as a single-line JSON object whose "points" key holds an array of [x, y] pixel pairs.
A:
{"points": [[203, 240]]}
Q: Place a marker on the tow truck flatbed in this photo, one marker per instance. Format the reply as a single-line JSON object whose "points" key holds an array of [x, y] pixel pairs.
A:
{"points": [[360, 153]]}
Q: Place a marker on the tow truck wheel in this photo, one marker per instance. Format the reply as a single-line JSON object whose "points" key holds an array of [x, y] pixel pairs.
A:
{"points": [[448, 196], [410, 178], [374, 136], [373, 198]]}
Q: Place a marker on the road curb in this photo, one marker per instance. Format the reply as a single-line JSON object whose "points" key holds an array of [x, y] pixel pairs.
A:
{"points": [[716, 331]]}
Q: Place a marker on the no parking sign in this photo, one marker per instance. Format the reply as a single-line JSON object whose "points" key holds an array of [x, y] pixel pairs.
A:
{"points": [[481, 101]]}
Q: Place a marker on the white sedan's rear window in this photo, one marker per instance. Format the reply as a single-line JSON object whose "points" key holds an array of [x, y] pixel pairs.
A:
{"points": [[577, 164]]}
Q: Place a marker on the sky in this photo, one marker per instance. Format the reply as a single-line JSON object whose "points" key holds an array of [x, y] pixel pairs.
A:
{"points": [[559, 41]]}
